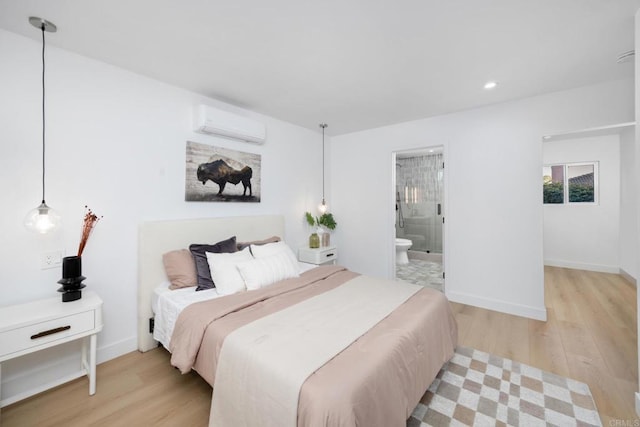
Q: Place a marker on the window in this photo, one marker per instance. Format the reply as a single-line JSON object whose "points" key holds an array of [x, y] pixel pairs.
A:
{"points": [[572, 183], [553, 183]]}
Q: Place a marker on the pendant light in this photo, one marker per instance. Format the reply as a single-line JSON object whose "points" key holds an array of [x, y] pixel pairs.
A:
{"points": [[42, 219], [323, 206]]}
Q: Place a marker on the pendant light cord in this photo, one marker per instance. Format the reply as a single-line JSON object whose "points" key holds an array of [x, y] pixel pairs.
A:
{"points": [[323, 162], [323, 126], [43, 114]]}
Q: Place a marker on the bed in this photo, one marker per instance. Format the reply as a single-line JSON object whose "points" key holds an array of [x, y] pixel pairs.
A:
{"points": [[371, 376]]}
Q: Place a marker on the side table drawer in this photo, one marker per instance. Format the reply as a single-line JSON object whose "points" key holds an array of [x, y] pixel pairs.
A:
{"points": [[19, 339], [318, 256]]}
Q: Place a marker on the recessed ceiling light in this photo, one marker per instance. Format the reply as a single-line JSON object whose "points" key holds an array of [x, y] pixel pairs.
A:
{"points": [[490, 85]]}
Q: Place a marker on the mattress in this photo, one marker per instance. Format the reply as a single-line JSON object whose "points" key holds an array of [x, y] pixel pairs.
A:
{"points": [[159, 290], [168, 306]]}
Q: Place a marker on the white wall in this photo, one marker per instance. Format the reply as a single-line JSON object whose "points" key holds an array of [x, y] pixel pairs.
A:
{"points": [[115, 142], [637, 119], [493, 208], [628, 205], [585, 236]]}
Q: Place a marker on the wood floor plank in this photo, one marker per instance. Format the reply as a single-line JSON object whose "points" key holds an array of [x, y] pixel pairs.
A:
{"points": [[511, 337], [545, 346], [590, 336]]}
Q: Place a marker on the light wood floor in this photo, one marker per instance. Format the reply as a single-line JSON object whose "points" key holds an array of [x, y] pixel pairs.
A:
{"points": [[591, 336]]}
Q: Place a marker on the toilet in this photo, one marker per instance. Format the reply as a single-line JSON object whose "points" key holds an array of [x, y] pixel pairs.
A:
{"points": [[402, 246]]}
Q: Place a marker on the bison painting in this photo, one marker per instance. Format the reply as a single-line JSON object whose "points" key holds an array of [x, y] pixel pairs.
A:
{"points": [[221, 166], [220, 172]]}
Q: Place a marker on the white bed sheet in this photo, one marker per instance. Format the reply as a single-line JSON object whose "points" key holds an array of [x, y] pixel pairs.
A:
{"points": [[159, 290], [170, 304]]}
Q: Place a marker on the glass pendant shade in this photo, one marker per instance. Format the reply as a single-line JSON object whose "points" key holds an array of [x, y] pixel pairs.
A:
{"points": [[322, 208], [42, 219]]}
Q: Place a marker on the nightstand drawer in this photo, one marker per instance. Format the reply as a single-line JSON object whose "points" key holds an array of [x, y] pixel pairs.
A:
{"points": [[25, 337], [318, 256]]}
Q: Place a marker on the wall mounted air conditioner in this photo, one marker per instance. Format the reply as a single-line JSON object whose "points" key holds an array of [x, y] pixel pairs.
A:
{"points": [[212, 121]]}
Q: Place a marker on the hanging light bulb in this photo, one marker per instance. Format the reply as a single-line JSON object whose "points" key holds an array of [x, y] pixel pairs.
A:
{"points": [[322, 208], [42, 219]]}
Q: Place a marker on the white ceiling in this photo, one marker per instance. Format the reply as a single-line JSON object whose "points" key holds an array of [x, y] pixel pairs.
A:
{"points": [[354, 64]]}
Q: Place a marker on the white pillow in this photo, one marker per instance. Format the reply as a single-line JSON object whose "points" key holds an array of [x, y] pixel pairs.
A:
{"points": [[264, 271], [224, 273], [261, 251]]}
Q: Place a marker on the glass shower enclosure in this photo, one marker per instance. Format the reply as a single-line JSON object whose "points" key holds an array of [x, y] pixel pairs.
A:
{"points": [[419, 199]]}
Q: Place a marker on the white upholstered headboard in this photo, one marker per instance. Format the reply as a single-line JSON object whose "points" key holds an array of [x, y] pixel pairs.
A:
{"points": [[158, 237]]}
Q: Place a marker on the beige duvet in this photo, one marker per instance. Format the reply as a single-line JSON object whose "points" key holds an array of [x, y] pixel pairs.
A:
{"points": [[376, 381]]}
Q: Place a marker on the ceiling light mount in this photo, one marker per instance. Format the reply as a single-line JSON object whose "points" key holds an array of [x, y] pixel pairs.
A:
{"points": [[43, 24]]}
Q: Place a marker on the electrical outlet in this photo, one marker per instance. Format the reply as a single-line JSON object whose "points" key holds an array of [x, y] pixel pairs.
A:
{"points": [[50, 259]]}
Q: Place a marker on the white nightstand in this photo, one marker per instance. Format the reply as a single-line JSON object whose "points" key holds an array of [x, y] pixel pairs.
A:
{"points": [[325, 255], [26, 328]]}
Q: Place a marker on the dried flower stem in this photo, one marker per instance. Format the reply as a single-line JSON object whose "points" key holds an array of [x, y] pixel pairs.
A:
{"points": [[90, 221]]}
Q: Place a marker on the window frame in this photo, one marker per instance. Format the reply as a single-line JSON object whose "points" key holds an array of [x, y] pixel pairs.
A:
{"points": [[565, 183]]}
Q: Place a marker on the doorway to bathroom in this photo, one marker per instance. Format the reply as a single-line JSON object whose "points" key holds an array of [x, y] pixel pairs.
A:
{"points": [[419, 216]]}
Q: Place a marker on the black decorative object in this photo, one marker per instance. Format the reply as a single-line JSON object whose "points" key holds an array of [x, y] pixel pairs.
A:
{"points": [[71, 278]]}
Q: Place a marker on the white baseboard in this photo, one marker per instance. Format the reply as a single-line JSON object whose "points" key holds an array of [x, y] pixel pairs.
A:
{"points": [[628, 277], [582, 266], [42, 372], [536, 313], [116, 349], [41, 387], [638, 404]]}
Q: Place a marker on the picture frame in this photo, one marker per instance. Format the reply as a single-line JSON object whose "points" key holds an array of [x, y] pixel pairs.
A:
{"points": [[217, 174]]}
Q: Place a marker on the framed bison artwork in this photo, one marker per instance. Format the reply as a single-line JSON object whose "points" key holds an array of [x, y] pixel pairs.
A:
{"points": [[215, 174]]}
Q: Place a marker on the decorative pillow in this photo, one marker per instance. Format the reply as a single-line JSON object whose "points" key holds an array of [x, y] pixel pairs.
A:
{"points": [[272, 239], [180, 269], [262, 251], [200, 259], [224, 272], [260, 272]]}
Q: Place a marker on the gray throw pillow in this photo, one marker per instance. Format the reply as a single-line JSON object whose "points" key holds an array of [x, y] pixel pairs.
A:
{"points": [[200, 258]]}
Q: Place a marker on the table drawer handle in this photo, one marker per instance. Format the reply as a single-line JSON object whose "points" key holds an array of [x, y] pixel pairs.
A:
{"points": [[50, 332], [329, 255]]}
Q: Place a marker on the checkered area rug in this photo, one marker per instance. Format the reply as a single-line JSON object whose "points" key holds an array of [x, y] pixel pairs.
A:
{"points": [[479, 389]]}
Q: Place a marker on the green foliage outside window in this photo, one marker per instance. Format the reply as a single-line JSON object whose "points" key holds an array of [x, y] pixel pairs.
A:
{"points": [[580, 193], [553, 192]]}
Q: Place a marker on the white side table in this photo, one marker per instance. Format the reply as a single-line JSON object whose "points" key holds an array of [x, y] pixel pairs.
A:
{"points": [[318, 256], [34, 326]]}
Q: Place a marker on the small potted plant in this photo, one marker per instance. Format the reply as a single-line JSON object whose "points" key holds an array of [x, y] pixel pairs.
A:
{"points": [[324, 223]]}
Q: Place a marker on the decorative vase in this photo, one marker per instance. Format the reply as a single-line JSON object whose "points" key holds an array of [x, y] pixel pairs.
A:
{"points": [[326, 239], [71, 278], [314, 241]]}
